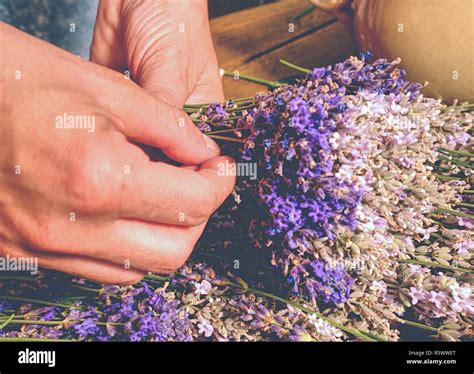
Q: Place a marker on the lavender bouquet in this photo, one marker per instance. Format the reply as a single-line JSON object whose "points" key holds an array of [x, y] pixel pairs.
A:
{"points": [[358, 227]]}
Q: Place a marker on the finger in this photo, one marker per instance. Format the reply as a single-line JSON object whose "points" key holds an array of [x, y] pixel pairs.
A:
{"points": [[160, 75], [92, 269], [149, 120], [83, 267], [163, 77], [155, 247], [175, 66], [144, 119], [127, 243], [163, 193], [208, 89], [106, 37]]}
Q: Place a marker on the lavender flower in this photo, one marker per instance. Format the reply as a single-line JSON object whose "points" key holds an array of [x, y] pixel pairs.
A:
{"points": [[352, 193]]}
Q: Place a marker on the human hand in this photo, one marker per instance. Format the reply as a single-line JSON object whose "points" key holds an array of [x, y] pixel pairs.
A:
{"points": [[88, 202], [166, 45]]}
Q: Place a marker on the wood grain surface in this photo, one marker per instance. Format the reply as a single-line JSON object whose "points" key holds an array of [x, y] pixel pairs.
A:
{"points": [[252, 41]]}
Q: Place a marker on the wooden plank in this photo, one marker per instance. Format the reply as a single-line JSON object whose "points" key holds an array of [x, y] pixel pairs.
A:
{"points": [[326, 47], [240, 35], [220, 7], [252, 41]]}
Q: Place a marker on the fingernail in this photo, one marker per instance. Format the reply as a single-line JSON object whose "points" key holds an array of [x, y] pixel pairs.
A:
{"points": [[211, 144]]}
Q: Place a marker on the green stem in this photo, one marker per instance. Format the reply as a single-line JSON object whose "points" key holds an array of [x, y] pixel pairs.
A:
{"points": [[199, 106], [435, 265], [235, 140], [56, 323], [272, 84], [220, 132], [454, 213], [416, 324], [158, 277], [466, 205], [96, 290], [293, 66], [457, 162], [467, 107], [8, 321], [42, 302], [459, 153], [14, 339], [305, 12], [447, 177], [435, 235]]}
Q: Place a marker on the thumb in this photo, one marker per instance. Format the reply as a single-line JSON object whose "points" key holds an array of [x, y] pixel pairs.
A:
{"points": [[164, 76], [208, 88]]}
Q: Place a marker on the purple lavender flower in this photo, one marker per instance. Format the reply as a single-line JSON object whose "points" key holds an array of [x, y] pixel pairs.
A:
{"points": [[44, 314], [319, 280], [5, 305], [291, 133], [148, 315], [86, 328]]}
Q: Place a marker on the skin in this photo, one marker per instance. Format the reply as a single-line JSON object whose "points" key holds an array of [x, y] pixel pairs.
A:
{"points": [[167, 46], [130, 214]]}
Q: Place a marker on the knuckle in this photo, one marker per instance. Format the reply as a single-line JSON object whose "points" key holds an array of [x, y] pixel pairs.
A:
{"points": [[90, 178], [40, 236], [173, 258], [202, 208], [176, 262], [197, 217]]}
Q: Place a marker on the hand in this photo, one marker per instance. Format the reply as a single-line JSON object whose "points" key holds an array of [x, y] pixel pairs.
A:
{"points": [[166, 45], [88, 201]]}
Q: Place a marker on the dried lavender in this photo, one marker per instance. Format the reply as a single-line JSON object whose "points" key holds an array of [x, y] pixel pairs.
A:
{"points": [[317, 143], [365, 219]]}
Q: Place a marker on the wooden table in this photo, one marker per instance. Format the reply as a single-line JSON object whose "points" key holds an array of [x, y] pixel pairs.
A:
{"points": [[252, 41]]}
